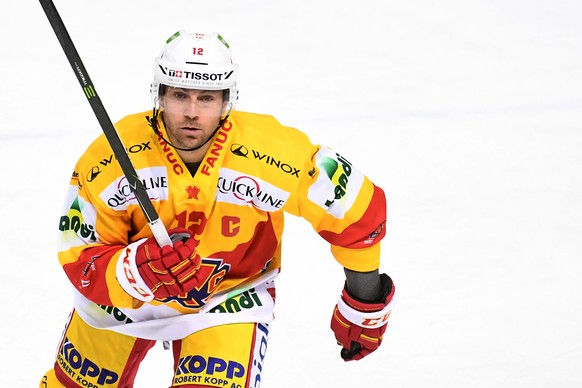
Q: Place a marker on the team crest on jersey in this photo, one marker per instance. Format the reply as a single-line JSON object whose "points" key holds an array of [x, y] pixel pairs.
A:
{"points": [[192, 192]]}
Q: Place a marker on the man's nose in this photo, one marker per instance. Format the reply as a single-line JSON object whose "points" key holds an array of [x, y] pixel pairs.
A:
{"points": [[191, 110]]}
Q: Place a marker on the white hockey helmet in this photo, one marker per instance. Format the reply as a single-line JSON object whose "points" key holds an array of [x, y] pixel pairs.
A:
{"points": [[193, 60]]}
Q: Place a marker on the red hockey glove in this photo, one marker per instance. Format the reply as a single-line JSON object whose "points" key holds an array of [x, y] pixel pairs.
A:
{"points": [[359, 326], [149, 271]]}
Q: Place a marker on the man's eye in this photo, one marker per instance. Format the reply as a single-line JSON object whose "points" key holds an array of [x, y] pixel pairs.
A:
{"points": [[206, 98], [179, 95]]}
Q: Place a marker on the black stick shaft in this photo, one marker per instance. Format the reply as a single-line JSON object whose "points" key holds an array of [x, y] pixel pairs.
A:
{"points": [[135, 183]]}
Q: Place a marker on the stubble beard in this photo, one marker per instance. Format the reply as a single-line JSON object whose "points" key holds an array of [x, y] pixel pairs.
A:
{"points": [[189, 140]]}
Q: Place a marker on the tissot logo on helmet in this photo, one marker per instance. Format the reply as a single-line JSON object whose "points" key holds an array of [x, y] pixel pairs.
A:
{"points": [[196, 75]]}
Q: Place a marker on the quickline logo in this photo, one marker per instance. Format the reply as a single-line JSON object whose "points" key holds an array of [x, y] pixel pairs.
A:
{"points": [[236, 188]]}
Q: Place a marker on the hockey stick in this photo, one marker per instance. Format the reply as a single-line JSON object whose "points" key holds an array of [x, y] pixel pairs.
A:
{"points": [[158, 229]]}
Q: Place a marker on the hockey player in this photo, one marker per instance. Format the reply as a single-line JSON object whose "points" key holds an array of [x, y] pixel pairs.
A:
{"points": [[220, 181]]}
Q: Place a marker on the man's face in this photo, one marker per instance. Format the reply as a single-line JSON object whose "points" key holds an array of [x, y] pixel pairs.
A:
{"points": [[191, 115]]}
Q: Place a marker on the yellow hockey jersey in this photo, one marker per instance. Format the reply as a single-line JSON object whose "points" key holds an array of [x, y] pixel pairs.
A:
{"points": [[254, 170]]}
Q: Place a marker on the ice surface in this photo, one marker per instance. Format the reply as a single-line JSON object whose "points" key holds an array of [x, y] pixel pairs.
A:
{"points": [[467, 113]]}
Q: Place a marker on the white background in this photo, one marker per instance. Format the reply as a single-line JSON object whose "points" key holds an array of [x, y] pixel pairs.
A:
{"points": [[467, 113]]}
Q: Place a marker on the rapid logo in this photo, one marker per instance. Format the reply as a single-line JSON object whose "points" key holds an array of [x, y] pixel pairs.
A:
{"points": [[119, 193], [247, 300], [74, 222], [337, 187], [339, 177], [116, 313], [238, 189], [82, 370]]}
